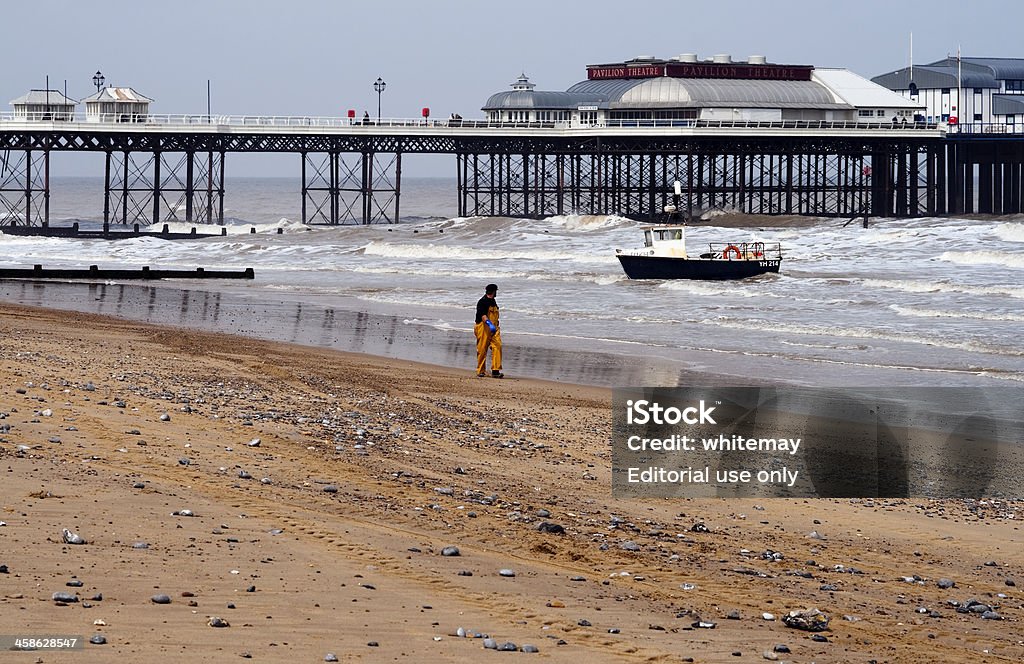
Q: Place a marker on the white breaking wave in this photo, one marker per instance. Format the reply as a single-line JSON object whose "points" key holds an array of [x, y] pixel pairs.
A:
{"points": [[981, 257], [860, 333], [908, 286], [1010, 232], [433, 252], [939, 313], [589, 222], [707, 289]]}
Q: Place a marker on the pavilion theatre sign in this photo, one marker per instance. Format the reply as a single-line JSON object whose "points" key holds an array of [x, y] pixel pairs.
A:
{"points": [[703, 70]]}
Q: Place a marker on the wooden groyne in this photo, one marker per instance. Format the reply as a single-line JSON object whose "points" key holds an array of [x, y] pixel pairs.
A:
{"points": [[73, 231], [93, 272]]}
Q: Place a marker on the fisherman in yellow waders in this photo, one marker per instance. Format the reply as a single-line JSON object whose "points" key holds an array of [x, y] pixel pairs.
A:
{"points": [[488, 334]]}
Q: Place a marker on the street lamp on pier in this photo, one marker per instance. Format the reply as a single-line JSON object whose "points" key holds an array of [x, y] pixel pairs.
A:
{"points": [[379, 86], [98, 80]]}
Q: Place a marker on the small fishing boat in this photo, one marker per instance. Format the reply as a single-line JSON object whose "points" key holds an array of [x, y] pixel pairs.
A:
{"points": [[664, 256]]}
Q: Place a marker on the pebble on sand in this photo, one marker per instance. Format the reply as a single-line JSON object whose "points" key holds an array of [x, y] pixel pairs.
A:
{"points": [[72, 537]]}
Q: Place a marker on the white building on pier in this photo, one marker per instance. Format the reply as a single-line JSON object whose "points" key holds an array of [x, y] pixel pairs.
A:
{"points": [[965, 91], [682, 90]]}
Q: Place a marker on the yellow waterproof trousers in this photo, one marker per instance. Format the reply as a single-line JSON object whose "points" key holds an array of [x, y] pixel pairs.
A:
{"points": [[485, 339]]}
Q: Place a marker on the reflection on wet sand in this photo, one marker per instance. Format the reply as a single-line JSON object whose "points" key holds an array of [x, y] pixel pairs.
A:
{"points": [[353, 331]]}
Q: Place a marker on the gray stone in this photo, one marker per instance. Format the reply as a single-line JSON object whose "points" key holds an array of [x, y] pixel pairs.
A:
{"points": [[946, 583], [490, 644], [160, 599], [218, 622], [97, 639], [450, 551], [508, 646], [64, 598], [506, 572], [330, 657], [330, 488], [71, 537], [530, 648], [811, 620]]}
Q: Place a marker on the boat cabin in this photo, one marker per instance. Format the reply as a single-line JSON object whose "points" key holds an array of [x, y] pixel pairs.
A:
{"points": [[665, 240]]}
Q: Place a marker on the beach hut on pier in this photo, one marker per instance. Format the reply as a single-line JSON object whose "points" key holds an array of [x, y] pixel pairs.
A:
{"points": [[114, 104], [44, 106]]}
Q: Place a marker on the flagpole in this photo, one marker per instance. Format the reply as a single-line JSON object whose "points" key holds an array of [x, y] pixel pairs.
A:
{"points": [[911, 57]]}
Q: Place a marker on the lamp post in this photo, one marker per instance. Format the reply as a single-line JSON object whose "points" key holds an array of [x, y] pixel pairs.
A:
{"points": [[379, 86], [98, 80]]}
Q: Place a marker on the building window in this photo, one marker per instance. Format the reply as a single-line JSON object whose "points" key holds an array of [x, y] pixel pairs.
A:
{"points": [[880, 113], [977, 91], [977, 117], [945, 91], [865, 113]]}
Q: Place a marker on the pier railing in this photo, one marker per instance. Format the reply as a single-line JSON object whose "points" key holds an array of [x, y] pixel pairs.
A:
{"points": [[125, 121]]}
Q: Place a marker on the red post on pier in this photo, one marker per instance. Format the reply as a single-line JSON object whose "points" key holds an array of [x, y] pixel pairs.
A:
{"points": [[426, 114]]}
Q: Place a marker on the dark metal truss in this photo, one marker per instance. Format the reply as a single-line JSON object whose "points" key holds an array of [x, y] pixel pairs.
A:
{"points": [[357, 179]]}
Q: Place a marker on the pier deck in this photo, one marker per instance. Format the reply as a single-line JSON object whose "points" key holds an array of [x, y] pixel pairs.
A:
{"points": [[171, 167]]}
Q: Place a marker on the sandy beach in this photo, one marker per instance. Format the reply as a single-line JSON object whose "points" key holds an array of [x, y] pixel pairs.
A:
{"points": [[306, 497]]}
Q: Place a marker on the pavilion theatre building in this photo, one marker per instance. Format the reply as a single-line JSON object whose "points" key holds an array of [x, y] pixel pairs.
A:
{"points": [[684, 89]]}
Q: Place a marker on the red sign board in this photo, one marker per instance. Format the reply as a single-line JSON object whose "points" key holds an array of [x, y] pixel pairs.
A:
{"points": [[737, 70], [616, 71]]}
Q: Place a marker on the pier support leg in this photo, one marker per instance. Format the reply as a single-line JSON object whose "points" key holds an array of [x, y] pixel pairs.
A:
{"points": [[25, 187]]}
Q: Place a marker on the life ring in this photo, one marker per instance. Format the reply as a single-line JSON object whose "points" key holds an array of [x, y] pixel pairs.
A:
{"points": [[732, 247]]}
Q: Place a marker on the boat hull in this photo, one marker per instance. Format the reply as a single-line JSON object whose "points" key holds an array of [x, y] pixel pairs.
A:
{"points": [[662, 267]]}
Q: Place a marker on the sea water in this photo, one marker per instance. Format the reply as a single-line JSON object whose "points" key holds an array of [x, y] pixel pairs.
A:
{"points": [[930, 301]]}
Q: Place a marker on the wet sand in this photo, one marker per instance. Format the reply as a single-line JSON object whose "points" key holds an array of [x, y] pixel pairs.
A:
{"points": [[373, 466]]}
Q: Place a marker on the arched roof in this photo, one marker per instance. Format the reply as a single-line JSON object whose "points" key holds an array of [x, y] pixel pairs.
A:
{"points": [[667, 92], [528, 99]]}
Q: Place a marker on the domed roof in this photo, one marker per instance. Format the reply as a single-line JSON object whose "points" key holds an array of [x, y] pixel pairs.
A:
{"points": [[667, 92], [527, 99]]}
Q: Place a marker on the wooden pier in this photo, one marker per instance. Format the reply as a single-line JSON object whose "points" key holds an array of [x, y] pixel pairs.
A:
{"points": [[171, 168]]}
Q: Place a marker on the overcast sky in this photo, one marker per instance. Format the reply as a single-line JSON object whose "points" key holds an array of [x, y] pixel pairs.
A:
{"points": [[320, 57]]}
